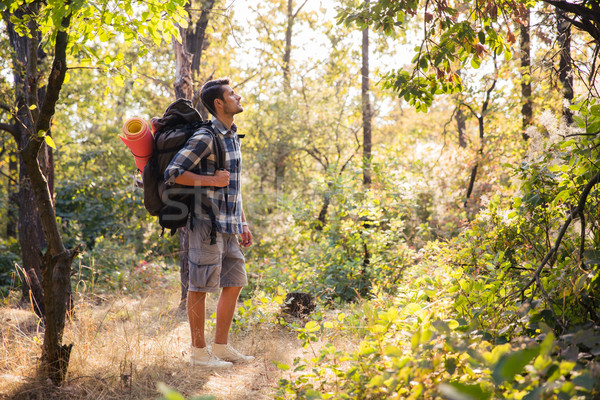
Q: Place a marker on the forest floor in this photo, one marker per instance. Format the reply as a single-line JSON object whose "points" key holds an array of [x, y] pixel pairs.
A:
{"points": [[126, 345]]}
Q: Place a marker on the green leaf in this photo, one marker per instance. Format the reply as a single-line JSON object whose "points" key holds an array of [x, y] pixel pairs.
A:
{"points": [[584, 381], [511, 364], [312, 326], [562, 196], [462, 391], [517, 201], [591, 257], [283, 367], [168, 393], [481, 36], [49, 141], [594, 127], [450, 365], [312, 394]]}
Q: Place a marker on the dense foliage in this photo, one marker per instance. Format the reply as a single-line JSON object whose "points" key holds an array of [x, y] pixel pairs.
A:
{"points": [[422, 291]]}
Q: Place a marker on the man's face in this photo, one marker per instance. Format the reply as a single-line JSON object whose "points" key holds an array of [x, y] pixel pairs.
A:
{"points": [[231, 101]]}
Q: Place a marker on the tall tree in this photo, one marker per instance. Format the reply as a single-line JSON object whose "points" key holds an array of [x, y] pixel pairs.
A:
{"points": [[461, 124], [187, 71], [36, 28], [565, 69], [287, 52], [31, 237], [526, 94], [480, 116], [366, 107], [283, 149]]}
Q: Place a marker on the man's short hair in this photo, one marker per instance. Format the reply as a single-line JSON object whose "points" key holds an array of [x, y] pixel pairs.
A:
{"points": [[211, 91]]}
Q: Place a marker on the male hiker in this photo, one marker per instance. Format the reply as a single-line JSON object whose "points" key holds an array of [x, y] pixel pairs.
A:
{"points": [[219, 264]]}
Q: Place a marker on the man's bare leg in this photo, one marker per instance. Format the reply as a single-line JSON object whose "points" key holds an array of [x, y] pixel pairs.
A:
{"points": [[196, 308], [225, 311]]}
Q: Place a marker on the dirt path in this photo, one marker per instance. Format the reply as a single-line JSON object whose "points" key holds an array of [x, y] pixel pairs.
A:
{"points": [[125, 345]]}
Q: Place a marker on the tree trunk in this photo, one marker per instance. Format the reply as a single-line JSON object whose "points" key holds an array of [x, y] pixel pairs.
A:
{"points": [[184, 84], [461, 121], [287, 53], [184, 88], [526, 99], [565, 71], [471, 186], [367, 145], [461, 125], [366, 109], [322, 218], [184, 266], [195, 37], [280, 164], [481, 122], [31, 238], [187, 67], [12, 217]]}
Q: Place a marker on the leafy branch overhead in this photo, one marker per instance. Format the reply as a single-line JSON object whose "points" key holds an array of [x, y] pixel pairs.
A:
{"points": [[453, 37]]}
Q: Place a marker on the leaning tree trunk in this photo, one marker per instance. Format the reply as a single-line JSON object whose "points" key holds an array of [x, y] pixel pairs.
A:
{"points": [[37, 115]]}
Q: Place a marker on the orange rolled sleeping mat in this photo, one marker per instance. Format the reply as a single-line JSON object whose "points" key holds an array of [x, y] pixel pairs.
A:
{"points": [[138, 137]]}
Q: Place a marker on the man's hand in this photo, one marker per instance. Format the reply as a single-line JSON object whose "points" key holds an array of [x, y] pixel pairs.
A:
{"points": [[246, 236], [221, 178]]}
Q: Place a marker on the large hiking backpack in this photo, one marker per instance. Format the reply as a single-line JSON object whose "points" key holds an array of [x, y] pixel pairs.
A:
{"points": [[173, 206]]}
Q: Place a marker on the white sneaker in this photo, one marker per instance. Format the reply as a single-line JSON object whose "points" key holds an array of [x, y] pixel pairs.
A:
{"points": [[202, 357], [228, 353]]}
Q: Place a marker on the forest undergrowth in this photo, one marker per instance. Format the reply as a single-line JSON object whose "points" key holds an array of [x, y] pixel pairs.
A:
{"points": [[424, 340]]}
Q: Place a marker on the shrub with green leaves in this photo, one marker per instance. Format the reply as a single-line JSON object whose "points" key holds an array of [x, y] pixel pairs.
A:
{"points": [[420, 346]]}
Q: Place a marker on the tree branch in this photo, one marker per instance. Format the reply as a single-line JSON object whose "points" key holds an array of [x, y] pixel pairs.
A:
{"points": [[10, 129], [298, 10], [577, 211], [10, 178], [585, 14], [55, 82]]}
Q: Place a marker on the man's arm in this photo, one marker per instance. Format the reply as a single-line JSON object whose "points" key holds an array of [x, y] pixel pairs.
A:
{"points": [[219, 179], [196, 148], [246, 234]]}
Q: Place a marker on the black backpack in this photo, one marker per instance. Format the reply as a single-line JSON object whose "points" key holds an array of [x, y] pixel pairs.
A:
{"points": [[174, 206]]}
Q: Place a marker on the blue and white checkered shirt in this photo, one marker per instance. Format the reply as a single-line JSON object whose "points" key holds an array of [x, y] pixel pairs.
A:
{"points": [[198, 156]]}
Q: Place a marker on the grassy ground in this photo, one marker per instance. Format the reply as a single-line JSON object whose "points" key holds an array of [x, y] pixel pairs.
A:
{"points": [[125, 345]]}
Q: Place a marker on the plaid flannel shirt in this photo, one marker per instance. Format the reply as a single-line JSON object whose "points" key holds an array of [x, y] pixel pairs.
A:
{"points": [[198, 156]]}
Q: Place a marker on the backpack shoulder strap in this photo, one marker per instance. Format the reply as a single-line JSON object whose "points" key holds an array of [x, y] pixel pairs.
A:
{"points": [[218, 144]]}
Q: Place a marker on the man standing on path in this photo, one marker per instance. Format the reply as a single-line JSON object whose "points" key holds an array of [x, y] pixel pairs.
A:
{"points": [[215, 257]]}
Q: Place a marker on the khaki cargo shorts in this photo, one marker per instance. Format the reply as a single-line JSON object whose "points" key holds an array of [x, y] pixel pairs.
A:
{"points": [[214, 266]]}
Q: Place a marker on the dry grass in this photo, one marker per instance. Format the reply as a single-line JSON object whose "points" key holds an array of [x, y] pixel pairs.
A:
{"points": [[124, 345]]}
